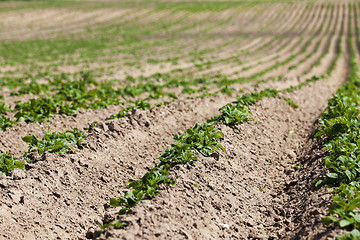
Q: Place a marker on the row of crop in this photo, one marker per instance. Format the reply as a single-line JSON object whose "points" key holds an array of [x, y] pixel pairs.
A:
{"points": [[270, 45], [316, 48], [300, 42], [302, 50], [67, 97], [202, 139], [328, 43], [234, 43], [338, 133], [328, 21], [166, 43], [33, 87], [124, 40], [321, 57], [338, 47], [143, 105], [281, 50], [232, 114], [304, 12], [55, 142], [73, 95]]}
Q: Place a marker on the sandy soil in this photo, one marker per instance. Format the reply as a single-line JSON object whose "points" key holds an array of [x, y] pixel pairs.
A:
{"points": [[253, 191]]}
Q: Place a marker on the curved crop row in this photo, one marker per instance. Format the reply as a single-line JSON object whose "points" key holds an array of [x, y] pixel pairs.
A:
{"points": [[339, 135], [202, 139]]}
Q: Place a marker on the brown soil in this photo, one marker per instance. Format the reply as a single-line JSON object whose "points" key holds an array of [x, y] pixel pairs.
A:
{"points": [[253, 191], [248, 188]]}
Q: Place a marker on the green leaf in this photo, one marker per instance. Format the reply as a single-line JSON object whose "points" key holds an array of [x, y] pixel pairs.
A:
{"points": [[27, 139], [114, 202], [355, 233], [123, 211], [8, 163], [344, 223], [332, 175], [329, 219], [117, 224], [319, 184]]}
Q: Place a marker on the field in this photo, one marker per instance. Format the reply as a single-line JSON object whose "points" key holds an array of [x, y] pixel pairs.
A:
{"points": [[171, 119]]}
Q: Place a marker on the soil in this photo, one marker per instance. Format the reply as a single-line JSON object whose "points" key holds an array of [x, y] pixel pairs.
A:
{"points": [[261, 188]]}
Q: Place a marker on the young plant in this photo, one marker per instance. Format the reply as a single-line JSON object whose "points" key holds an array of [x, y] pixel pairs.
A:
{"points": [[201, 139], [8, 163], [57, 142]]}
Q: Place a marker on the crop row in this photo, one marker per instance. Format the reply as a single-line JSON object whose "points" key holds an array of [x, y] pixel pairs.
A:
{"points": [[338, 133], [328, 43], [295, 23], [272, 45], [325, 20], [232, 114], [129, 30], [234, 44], [281, 49], [55, 142], [64, 95], [67, 97], [202, 139], [332, 22], [197, 53]]}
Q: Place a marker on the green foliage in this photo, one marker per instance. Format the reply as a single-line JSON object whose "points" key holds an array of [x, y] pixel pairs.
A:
{"points": [[227, 91], [202, 138], [4, 108], [8, 163], [232, 115], [146, 187], [139, 104], [237, 112], [199, 139], [207, 94], [291, 103], [91, 126], [36, 110], [339, 134], [346, 206], [99, 104], [300, 85], [12, 82], [31, 88], [142, 105], [251, 98], [6, 122], [353, 235], [75, 91], [122, 113], [57, 142], [69, 109]]}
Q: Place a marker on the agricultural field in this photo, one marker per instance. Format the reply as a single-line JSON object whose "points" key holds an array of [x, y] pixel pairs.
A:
{"points": [[171, 119]]}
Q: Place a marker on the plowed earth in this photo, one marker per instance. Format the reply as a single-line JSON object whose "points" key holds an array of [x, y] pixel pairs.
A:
{"points": [[253, 191]]}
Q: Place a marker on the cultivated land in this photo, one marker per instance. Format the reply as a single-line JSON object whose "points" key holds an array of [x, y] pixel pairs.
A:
{"points": [[166, 119]]}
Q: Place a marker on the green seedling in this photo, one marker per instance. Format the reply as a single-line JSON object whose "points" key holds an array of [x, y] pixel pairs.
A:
{"points": [[8, 163], [56, 142]]}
